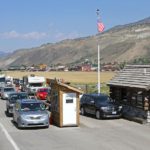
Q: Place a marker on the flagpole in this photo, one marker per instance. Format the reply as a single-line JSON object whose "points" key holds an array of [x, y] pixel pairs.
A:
{"points": [[100, 29], [99, 86], [98, 61]]}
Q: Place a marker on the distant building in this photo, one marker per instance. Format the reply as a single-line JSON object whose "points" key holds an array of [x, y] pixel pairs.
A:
{"points": [[13, 68], [86, 67], [42, 67]]}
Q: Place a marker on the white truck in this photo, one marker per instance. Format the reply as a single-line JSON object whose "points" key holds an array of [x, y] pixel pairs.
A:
{"points": [[2, 80], [31, 83], [9, 81]]}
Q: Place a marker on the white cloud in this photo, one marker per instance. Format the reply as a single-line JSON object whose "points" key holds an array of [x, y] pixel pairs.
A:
{"points": [[34, 35], [27, 36], [53, 35], [62, 36]]}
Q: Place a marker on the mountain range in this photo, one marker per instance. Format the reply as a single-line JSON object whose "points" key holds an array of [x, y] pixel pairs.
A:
{"points": [[120, 43], [3, 54]]}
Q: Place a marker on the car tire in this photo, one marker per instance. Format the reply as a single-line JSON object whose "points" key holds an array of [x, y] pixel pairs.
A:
{"points": [[13, 119], [82, 111], [47, 127], [18, 125], [7, 113], [98, 114]]}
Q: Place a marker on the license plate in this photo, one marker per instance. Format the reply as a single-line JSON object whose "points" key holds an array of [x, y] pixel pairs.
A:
{"points": [[114, 112]]}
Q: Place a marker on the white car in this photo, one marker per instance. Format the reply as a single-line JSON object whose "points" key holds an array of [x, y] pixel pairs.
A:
{"points": [[5, 91]]}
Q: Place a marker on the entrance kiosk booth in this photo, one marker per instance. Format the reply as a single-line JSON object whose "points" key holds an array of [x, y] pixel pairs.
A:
{"points": [[64, 104]]}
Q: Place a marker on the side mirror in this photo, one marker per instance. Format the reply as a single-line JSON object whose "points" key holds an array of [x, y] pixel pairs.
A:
{"points": [[16, 109]]}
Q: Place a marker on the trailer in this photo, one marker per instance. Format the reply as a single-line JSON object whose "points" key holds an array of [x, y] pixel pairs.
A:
{"points": [[31, 83]]}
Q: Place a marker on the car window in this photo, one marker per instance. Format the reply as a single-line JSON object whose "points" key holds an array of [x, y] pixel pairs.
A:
{"points": [[32, 106], [43, 90], [8, 89], [13, 97], [82, 98], [35, 84], [102, 99], [23, 96], [88, 99]]}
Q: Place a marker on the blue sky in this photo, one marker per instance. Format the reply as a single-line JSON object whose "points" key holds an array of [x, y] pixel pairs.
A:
{"points": [[31, 23]]}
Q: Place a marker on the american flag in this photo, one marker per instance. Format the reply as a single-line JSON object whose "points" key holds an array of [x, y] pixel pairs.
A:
{"points": [[100, 26]]}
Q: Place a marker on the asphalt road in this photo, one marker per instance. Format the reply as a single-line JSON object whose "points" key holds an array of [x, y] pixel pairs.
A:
{"points": [[92, 134]]}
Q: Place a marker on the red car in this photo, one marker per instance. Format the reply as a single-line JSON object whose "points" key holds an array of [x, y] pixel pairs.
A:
{"points": [[42, 93]]}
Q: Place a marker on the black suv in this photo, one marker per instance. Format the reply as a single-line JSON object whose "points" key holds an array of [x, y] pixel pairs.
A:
{"points": [[100, 105]]}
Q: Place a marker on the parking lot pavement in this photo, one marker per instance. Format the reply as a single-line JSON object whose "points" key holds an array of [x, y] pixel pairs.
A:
{"points": [[92, 134], [4, 143]]}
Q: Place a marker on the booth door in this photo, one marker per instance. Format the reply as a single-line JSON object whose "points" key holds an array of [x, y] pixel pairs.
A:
{"points": [[69, 109]]}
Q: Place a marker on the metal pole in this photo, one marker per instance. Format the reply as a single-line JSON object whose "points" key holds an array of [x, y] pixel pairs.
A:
{"points": [[98, 70], [99, 87]]}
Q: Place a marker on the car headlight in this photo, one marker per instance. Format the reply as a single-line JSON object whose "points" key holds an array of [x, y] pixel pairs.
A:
{"points": [[11, 105], [120, 107], [104, 108], [24, 117], [45, 116], [6, 95]]}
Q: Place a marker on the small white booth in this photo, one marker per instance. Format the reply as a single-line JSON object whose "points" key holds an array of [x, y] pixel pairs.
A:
{"points": [[64, 104]]}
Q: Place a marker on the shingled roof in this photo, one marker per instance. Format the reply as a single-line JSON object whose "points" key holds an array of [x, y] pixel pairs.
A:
{"points": [[137, 76]]}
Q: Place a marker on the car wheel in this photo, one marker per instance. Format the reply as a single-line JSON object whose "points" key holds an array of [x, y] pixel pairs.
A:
{"points": [[13, 119], [47, 127], [82, 111], [7, 112], [18, 124], [98, 114]]}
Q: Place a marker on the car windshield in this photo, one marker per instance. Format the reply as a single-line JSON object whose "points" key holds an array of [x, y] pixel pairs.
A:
{"points": [[2, 79], [23, 96], [35, 84], [43, 90], [9, 89], [102, 99], [32, 106], [21, 81], [13, 97]]}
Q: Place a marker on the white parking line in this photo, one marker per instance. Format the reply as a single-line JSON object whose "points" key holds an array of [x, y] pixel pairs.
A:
{"points": [[9, 137]]}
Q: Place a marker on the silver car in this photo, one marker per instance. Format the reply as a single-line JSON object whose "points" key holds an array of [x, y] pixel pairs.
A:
{"points": [[12, 98], [30, 113], [5, 91]]}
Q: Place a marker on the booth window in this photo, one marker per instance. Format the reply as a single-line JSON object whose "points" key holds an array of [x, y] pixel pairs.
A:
{"points": [[69, 100]]}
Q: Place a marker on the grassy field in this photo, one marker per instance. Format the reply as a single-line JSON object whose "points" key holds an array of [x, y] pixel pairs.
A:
{"points": [[73, 77]]}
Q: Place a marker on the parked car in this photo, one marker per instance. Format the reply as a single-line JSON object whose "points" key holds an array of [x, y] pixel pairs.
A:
{"points": [[30, 113], [12, 98], [5, 91], [100, 105], [42, 93], [0, 91]]}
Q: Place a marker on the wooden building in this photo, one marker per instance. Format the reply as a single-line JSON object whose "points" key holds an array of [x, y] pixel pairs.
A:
{"points": [[65, 101], [131, 88], [86, 67]]}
